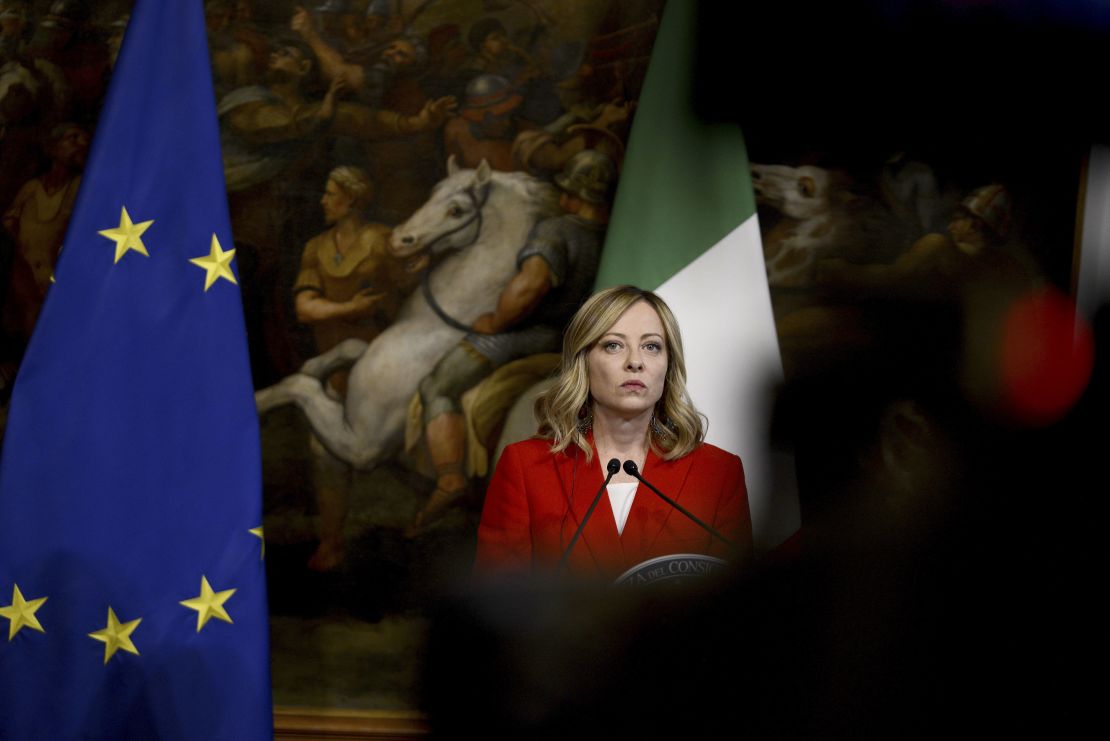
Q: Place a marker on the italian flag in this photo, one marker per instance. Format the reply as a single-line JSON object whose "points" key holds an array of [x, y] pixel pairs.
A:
{"points": [[684, 225]]}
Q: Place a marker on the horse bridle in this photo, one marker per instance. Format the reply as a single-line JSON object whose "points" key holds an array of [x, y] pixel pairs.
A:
{"points": [[425, 286]]}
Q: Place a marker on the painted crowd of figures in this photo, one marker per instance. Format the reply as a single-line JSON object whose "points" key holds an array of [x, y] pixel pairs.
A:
{"points": [[337, 120]]}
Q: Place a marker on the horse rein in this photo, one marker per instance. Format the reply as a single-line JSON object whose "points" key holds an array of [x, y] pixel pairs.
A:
{"points": [[425, 286]]}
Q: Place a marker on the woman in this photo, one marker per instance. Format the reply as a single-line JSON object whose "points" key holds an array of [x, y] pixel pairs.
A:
{"points": [[621, 394]]}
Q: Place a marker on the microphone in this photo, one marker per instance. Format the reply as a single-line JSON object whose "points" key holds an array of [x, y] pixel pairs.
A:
{"points": [[631, 469], [613, 467]]}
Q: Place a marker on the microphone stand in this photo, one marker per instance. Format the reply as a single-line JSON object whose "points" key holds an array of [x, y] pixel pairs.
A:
{"points": [[631, 469], [613, 467]]}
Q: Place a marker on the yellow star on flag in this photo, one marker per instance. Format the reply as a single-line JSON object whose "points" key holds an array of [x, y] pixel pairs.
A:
{"points": [[209, 604], [127, 236], [116, 635], [217, 264], [257, 531], [21, 613]]}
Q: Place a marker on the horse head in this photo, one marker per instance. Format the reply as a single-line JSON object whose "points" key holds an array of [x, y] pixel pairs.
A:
{"points": [[452, 217], [802, 193]]}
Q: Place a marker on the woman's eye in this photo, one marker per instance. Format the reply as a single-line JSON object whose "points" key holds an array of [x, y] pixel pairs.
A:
{"points": [[611, 346], [652, 347]]}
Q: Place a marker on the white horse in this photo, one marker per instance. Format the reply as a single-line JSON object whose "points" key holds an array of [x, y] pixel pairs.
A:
{"points": [[809, 200], [473, 226], [823, 214]]}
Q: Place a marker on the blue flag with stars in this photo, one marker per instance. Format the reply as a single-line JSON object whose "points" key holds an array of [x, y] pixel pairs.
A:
{"points": [[132, 585]]}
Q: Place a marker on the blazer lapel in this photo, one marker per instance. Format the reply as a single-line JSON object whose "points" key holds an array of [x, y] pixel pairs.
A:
{"points": [[649, 513], [581, 480]]}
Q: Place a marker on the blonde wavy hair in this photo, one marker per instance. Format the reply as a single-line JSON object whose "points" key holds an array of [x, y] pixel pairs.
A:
{"points": [[565, 410]]}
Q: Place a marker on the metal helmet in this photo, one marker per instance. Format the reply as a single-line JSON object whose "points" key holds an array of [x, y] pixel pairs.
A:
{"points": [[489, 95], [993, 205], [590, 175]]}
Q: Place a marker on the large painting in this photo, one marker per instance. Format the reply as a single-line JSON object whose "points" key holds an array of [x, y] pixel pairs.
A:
{"points": [[395, 170]]}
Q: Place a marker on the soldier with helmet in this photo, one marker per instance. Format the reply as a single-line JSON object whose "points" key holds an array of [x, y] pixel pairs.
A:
{"points": [[381, 24], [486, 124], [604, 128], [556, 269], [973, 248], [495, 54], [982, 219]]}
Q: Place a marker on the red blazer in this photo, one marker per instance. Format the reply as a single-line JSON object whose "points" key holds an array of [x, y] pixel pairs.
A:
{"points": [[536, 500]]}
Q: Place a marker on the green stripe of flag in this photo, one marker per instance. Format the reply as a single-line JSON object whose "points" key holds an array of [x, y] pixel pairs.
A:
{"points": [[684, 184]]}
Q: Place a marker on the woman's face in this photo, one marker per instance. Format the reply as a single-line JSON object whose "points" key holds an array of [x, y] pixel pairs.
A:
{"points": [[628, 365], [336, 203]]}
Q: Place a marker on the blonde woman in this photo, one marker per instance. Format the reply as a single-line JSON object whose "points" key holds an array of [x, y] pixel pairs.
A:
{"points": [[621, 393]]}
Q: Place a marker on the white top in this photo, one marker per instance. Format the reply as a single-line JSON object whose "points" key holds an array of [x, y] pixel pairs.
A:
{"points": [[620, 498]]}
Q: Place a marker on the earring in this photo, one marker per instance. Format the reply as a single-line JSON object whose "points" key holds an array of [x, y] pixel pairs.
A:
{"points": [[585, 423], [585, 419]]}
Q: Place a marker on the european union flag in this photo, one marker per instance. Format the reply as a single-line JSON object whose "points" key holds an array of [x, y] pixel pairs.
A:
{"points": [[132, 589]]}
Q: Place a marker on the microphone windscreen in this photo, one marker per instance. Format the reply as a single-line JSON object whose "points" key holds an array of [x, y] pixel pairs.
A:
{"points": [[630, 467], [613, 466]]}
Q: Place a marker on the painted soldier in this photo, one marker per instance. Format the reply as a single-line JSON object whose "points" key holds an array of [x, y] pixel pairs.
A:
{"points": [[556, 269]]}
